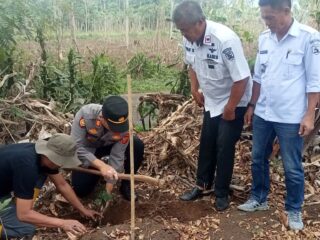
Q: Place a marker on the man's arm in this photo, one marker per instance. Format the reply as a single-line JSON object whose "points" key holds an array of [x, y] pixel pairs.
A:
{"points": [[237, 91], [307, 123], [25, 213], [198, 96], [311, 62], [254, 99], [67, 192], [106, 170], [236, 63], [78, 132]]}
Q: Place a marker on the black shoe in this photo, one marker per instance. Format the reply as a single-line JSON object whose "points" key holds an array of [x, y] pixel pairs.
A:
{"points": [[221, 203], [195, 193], [125, 191]]}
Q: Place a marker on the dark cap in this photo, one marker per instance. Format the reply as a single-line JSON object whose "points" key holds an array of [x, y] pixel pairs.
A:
{"points": [[115, 112]]}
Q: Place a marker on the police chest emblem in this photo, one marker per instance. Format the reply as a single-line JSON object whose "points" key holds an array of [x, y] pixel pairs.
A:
{"points": [[116, 137], [228, 53], [125, 138], [93, 131]]}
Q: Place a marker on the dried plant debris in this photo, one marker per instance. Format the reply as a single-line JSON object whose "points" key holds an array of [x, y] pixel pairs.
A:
{"points": [[171, 151]]}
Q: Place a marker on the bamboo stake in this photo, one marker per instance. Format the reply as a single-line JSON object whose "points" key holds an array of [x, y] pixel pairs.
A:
{"points": [[131, 159]]}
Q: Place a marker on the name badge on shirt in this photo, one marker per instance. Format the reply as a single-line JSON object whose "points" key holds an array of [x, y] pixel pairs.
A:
{"points": [[264, 52]]}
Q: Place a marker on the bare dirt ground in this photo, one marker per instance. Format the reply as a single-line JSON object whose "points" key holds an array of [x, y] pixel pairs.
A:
{"points": [[161, 215]]}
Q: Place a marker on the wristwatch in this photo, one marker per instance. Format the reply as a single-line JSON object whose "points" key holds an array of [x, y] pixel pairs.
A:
{"points": [[250, 104]]}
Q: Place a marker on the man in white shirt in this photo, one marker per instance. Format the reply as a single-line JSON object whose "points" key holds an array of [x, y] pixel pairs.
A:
{"points": [[220, 82], [284, 96]]}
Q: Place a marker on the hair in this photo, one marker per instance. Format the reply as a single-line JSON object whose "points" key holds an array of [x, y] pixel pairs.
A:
{"points": [[275, 4], [188, 12]]}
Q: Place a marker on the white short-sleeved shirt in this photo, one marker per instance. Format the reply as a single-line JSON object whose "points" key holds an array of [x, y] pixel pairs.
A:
{"points": [[218, 63], [287, 70]]}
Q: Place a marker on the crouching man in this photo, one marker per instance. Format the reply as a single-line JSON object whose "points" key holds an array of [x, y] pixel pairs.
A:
{"points": [[24, 168], [101, 131]]}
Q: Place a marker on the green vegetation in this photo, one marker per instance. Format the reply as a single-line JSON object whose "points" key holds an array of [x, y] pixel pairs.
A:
{"points": [[68, 73], [4, 204]]}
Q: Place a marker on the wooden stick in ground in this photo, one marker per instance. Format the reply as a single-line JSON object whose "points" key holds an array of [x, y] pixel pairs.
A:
{"points": [[139, 178], [133, 217]]}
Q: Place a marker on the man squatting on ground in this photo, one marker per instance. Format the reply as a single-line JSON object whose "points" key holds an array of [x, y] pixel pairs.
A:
{"points": [[218, 67], [24, 168], [284, 96], [100, 131]]}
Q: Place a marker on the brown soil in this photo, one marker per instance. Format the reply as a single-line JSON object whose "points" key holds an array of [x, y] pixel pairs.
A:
{"points": [[158, 213]]}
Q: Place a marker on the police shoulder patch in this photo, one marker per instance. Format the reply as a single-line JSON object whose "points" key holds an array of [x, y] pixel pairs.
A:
{"points": [[228, 53], [93, 131], [82, 122]]}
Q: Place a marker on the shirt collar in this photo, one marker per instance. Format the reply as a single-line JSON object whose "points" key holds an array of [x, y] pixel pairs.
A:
{"points": [[294, 30]]}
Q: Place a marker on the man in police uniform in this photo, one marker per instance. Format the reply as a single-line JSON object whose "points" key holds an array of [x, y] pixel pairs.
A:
{"points": [[24, 168], [220, 81], [285, 93], [100, 131]]}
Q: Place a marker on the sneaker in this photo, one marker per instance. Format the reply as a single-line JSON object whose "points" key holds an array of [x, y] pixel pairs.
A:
{"points": [[252, 205], [295, 220]]}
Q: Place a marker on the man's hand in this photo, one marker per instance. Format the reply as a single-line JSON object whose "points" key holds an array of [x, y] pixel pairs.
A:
{"points": [[248, 116], [109, 172], [198, 97], [228, 113], [306, 125], [90, 214], [73, 226]]}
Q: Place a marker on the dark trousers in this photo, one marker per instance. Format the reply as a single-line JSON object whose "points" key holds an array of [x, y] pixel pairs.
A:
{"points": [[217, 150], [84, 183]]}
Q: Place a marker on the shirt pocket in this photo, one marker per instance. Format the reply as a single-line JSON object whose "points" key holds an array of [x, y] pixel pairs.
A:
{"points": [[292, 64]]}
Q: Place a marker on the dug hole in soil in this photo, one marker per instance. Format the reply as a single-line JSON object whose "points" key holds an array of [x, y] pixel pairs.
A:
{"points": [[161, 215]]}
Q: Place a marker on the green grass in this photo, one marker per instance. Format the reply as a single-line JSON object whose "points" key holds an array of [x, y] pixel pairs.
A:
{"points": [[145, 85]]}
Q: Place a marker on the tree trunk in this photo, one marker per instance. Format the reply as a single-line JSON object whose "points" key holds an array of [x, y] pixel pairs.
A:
{"points": [[73, 28], [171, 22], [127, 23], [86, 14]]}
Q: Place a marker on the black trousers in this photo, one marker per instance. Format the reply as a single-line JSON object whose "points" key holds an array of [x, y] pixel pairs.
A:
{"points": [[217, 150], [83, 183]]}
